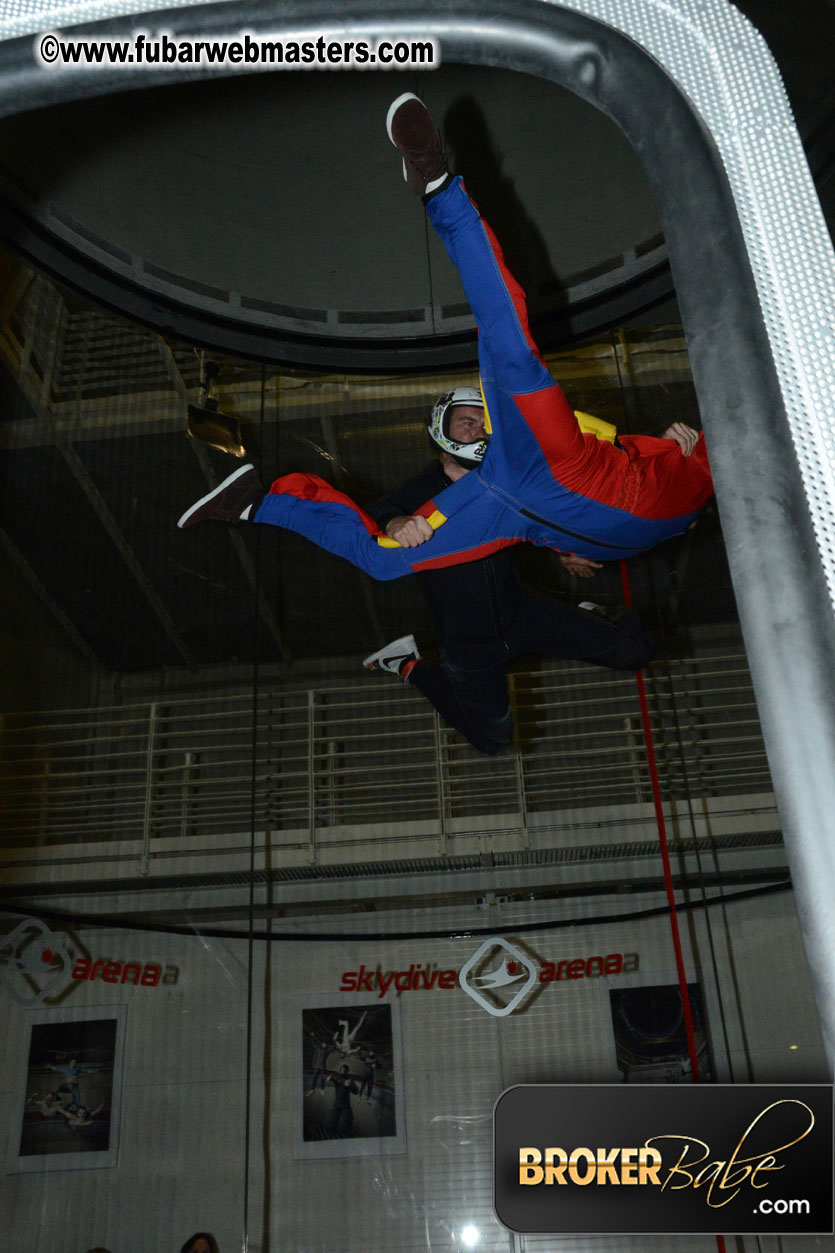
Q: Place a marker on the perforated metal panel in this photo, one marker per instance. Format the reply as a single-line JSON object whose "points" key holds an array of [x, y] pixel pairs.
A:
{"points": [[718, 59]]}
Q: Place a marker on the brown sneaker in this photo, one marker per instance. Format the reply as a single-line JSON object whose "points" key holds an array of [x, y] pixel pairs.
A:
{"points": [[411, 130], [234, 500]]}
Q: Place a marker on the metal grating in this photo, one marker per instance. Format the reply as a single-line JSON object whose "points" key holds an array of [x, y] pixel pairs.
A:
{"points": [[363, 871]]}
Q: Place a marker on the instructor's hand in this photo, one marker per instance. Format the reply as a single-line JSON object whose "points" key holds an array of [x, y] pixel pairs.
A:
{"points": [[410, 532], [580, 566], [684, 435]]}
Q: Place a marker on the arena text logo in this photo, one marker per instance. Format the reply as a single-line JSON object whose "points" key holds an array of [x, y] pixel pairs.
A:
{"points": [[36, 962], [427, 978], [144, 974]]}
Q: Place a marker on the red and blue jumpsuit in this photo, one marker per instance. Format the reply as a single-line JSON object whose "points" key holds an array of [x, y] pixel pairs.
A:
{"points": [[542, 479]]}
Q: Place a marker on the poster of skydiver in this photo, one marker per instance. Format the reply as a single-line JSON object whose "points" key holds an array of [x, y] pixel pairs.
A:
{"points": [[69, 1115], [350, 1085]]}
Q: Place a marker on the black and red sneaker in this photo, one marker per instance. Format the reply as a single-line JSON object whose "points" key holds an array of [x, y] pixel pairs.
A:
{"points": [[412, 131], [234, 500]]}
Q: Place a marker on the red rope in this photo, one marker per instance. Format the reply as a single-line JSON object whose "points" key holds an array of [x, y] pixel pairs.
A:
{"points": [[665, 861], [665, 852]]}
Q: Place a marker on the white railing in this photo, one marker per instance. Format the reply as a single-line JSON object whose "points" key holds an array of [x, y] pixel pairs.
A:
{"points": [[369, 753]]}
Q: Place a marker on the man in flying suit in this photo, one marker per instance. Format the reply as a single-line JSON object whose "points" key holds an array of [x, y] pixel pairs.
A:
{"points": [[486, 616], [542, 479]]}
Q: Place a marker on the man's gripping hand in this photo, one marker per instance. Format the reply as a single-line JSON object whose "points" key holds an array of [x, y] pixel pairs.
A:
{"points": [[410, 532], [684, 435]]}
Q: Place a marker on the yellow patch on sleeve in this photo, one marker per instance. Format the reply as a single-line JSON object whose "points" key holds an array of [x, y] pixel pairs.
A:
{"points": [[590, 425]]}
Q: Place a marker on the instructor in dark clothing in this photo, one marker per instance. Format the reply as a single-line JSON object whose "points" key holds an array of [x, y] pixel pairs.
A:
{"points": [[341, 1121], [486, 616]]}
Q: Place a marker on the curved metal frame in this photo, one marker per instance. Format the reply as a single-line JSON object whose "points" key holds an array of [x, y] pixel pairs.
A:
{"points": [[695, 90]]}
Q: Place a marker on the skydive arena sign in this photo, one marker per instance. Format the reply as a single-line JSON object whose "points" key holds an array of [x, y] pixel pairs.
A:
{"points": [[641, 1159], [509, 965]]}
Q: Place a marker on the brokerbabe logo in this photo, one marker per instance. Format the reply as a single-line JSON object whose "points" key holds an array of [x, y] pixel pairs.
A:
{"points": [[643, 1158]]}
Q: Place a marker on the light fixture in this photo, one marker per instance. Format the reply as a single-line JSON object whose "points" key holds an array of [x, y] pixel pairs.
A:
{"points": [[207, 423], [470, 1236]]}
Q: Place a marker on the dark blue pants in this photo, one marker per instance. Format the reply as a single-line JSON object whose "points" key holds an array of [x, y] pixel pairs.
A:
{"points": [[469, 688]]}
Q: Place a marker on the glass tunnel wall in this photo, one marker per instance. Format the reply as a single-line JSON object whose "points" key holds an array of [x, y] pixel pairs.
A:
{"points": [[236, 864]]}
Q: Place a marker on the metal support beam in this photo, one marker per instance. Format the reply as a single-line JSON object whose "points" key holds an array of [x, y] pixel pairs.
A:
{"points": [[341, 479], [127, 554], [266, 614], [16, 293], [55, 611], [154, 409], [172, 368], [264, 611]]}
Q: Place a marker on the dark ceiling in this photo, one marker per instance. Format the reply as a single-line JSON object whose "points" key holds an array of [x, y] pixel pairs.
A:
{"points": [[275, 203], [265, 213]]}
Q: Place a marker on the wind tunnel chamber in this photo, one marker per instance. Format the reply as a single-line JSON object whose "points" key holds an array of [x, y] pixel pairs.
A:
{"points": [[235, 863]]}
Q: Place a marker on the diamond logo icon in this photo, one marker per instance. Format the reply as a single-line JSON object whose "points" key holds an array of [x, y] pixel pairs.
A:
{"points": [[498, 976], [33, 961]]}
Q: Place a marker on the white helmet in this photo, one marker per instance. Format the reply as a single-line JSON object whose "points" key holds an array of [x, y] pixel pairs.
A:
{"points": [[468, 455]]}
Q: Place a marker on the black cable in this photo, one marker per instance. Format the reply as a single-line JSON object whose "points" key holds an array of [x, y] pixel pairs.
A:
{"points": [[682, 761], [427, 233], [692, 819], [252, 813], [444, 933]]}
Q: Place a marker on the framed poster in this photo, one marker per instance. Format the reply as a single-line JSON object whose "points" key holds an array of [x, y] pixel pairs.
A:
{"points": [[349, 1083], [70, 1093], [650, 1034]]}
